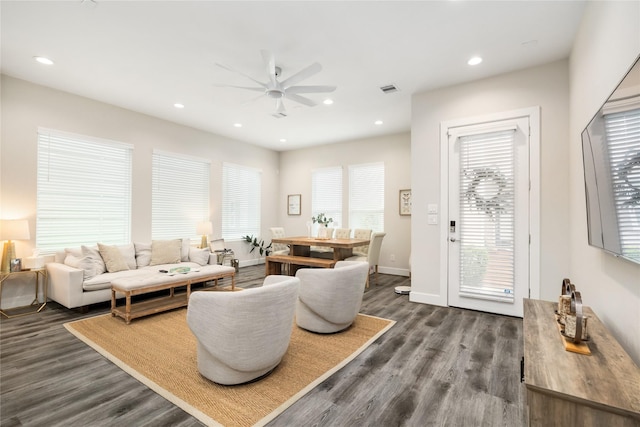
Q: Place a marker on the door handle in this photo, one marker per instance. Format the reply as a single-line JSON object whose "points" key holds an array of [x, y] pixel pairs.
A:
{"points": [[452, 239]]}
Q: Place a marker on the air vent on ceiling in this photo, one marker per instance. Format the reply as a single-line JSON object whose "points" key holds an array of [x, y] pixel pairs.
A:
{"points": [[389, 88], [279, 115]]}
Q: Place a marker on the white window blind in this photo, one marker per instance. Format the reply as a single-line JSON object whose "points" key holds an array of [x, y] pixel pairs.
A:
{"points": [[487, 215], [241, 195], [83, 191], [366, 196], [622, 131], [180, 195], [326, 193]]}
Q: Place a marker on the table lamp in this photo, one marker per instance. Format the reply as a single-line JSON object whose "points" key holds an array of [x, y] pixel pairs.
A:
{"points": [[205, 229], [12, 229]]}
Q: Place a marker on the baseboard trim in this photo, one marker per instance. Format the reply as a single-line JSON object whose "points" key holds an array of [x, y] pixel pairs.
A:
{"points": [[394, 271]]}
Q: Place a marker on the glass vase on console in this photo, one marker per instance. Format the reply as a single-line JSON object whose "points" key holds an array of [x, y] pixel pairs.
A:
{"points": [[323, 232]]}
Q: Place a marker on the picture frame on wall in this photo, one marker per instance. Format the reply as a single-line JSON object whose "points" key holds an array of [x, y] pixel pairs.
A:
{"points": [[405, 202], [293, 204]]}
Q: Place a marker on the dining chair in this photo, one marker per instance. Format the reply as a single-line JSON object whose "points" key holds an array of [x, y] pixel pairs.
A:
{"points": [[373, 256], [342, 233], [361, 233], [278, 248]]}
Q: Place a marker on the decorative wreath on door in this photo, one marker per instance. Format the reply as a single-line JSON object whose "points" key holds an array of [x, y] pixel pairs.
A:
{"points": [[490, 204]]}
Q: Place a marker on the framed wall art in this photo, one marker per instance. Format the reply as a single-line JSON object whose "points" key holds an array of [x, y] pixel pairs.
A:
{"points": [[405, 202], [293, 204]]}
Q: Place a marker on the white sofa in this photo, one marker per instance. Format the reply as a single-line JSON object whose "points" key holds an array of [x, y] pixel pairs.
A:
{"points": [[80, 276]]}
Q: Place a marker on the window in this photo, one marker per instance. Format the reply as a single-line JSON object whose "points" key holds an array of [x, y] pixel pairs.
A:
{"points": [[241, 193], [366, 196], [622, 129], [326, 193], [180, 195], [83, 191]]}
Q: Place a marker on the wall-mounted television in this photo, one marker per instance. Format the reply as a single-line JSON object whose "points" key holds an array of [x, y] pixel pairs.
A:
{"points": [[611, 157]]}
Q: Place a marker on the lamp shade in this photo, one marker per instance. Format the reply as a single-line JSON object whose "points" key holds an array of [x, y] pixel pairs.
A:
{"points": [[204, 228], [14, 229]]}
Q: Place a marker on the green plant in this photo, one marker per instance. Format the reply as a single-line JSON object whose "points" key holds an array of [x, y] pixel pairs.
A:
{"points": [[259, 244], [322, 219]]}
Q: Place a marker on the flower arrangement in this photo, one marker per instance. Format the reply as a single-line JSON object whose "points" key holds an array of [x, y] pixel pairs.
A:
{"points": [[322, 219]]}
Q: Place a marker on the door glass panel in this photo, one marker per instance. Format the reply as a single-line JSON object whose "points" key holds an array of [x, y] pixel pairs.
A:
{"points": [[487, 215]]}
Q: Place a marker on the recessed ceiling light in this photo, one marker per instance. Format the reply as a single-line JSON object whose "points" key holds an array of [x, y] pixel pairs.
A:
{"points": [[327, 101], [283, 140], [474, 61], [177, 105], [238, 125], [43, 60], [378, 122]]}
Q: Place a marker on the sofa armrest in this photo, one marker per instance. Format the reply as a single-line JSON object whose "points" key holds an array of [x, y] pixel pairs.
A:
{"points": [[65, 284]]}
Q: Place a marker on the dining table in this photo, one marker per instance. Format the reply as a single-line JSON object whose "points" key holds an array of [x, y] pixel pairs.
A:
{"points": [[301, 245]]}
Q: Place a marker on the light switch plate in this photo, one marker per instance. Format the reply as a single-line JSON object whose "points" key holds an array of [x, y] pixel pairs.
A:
{"points": [[432, 219], [432, 208]]}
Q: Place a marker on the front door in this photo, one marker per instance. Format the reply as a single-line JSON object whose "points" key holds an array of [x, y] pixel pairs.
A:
{"points": [[488, 253]]}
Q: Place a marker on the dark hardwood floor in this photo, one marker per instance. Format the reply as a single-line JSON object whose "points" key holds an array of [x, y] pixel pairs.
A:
{"points": [[436, 367]]}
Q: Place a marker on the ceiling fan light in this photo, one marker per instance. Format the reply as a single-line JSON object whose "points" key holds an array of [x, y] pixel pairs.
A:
{"points": [[275, 93]]}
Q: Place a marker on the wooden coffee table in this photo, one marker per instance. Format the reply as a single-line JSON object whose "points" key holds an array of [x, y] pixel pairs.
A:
{"points": [[133, 286]]}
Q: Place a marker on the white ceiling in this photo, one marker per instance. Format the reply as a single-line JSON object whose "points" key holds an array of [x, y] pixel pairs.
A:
{"points": [[147, 55]]}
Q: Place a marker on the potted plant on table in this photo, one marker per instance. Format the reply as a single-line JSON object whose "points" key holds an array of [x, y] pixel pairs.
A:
{"points": [[263, 248], [324, 222]]}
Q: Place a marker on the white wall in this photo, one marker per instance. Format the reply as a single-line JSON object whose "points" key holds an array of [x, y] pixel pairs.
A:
{"points": [[547, 87], [26, 106], [607, 43], [393, 150]]}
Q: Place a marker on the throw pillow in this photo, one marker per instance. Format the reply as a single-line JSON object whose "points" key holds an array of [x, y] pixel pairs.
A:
{"points": [[143, 254], [199, 256], [112, 257], [184, 255], [166, 251], [128, 253], [94, 255], [82, 263]]}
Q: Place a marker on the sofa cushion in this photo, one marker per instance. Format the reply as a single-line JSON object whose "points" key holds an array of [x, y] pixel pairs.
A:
{"points": [[112, 257], [128, 252], [82, 263], [103, 281], [200, 256], [166, 251], [143, 254]]}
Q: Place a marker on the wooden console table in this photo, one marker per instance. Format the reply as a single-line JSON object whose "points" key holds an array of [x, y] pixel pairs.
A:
{"points": [[570, 389]]}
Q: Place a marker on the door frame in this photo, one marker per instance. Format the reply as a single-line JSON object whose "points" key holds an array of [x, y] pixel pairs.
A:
{"points": [[533, 114]]}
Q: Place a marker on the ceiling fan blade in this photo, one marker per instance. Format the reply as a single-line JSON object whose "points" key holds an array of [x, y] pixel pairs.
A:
{"points": [[242, 74], [270, 64], [301, 100], [305, 73], [259, 89], [251, 101], [310, 89]]}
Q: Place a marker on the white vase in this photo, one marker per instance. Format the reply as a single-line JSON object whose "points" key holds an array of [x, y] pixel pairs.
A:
{"points": [[323, 232]]}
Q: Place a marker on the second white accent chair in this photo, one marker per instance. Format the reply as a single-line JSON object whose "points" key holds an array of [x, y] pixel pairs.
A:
{"points": [[373, 256], [330, 298]]}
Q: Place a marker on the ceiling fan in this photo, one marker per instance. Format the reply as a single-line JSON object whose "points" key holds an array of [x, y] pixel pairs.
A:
{"points": [[286, 89]]}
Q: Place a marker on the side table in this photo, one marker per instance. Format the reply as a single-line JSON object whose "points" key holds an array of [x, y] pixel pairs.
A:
{"points": [[39, 274]]}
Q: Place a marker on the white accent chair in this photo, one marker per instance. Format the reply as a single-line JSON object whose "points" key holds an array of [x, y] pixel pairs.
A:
{"points": [[243, 335], [374, 254], [330, 298], [342, 233], [361, 233]]}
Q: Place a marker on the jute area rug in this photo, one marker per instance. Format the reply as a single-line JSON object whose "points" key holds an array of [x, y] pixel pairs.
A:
{"points": [[160, 352]]}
